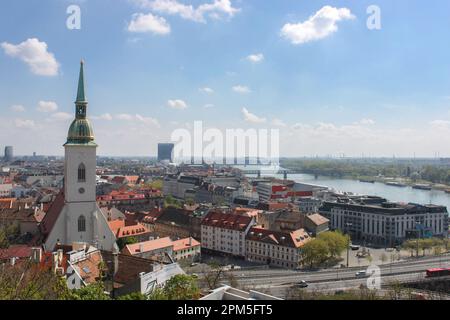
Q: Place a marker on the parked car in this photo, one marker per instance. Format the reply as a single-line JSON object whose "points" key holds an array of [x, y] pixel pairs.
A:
{"points": [[354, 247]]}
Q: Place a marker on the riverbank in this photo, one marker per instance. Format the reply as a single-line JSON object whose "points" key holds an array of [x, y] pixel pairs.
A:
{"points": [[391, 181]]}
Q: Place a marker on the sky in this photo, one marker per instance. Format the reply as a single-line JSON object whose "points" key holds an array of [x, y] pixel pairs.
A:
{"points": [[314, 70]]}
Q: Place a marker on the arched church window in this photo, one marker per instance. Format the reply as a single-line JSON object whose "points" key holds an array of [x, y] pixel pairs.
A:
{"points": [[81, 224], [81, 173]]}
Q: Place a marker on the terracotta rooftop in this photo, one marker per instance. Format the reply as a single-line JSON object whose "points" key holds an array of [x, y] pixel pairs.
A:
{"points": [[148, 245], [225, 220], [20, 252], [294, 239], [317, 219], [184, 244]]}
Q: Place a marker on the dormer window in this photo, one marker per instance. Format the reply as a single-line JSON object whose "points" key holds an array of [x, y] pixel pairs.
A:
{"points": [[81, 173]]}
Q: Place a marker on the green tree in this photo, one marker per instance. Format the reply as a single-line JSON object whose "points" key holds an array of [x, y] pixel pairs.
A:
{"points": [[336, 242], [95, 291], [28, 281], [122, 242], [133, 296], [315, 252], [182, 287], [4, 243]]}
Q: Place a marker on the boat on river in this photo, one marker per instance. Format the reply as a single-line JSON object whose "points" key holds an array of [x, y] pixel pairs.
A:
{"points": [[422, 186], [395, 184]]}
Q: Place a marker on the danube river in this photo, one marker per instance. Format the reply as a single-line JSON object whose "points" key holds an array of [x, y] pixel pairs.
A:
{"points": [[397, 194]]}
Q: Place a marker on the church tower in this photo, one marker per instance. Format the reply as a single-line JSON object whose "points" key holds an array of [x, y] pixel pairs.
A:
{"points": [[79, 219], [80, 152]]}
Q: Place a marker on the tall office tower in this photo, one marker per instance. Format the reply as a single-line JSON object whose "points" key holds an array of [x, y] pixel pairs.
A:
{"points": [[165, 151], [9, 153]]}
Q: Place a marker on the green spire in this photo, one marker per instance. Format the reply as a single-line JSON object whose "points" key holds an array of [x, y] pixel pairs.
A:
{"points": [[80, 131], [80, 95]]}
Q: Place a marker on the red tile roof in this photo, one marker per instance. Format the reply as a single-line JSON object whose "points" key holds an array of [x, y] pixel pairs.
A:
{"points": [[225, 220], [294, 239], [15, 252], [52, 214], [148, 245], [183, 244]]}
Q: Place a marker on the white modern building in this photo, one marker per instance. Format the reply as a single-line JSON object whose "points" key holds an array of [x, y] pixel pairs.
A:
{"points": [[377, 221], [75, 216]]}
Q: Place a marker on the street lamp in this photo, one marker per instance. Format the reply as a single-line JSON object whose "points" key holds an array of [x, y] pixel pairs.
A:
{"points": [[348, 244]]}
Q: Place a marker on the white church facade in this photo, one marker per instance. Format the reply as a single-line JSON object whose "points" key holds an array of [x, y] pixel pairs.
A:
{"points": [[75, 215]]}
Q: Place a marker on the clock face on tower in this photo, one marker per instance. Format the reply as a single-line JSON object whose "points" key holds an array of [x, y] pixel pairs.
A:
{"points": [[81, 190]]}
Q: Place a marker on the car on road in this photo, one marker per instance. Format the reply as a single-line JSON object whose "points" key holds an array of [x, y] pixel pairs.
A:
{"points": [[354, 247], [194, 275], [361, 274], [302, 284]]}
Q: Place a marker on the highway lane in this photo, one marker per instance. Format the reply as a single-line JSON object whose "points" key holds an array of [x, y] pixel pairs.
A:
{"points": [[332, 286], [419, 265]]}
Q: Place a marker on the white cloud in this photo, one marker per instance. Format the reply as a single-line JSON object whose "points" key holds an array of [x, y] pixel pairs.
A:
{"points": [[149, 23], [135, 118], [177, 104], [206, 90], [322, 24], [47, 106], [208, 106], [34, 53], [215, 10], [440, 124], [278, 123], [61, 116], [250, 117], [105, 116], [255, 58], [18, 108], [241, 89], [148, 120], [124, 116], [368, 122], [24, 124]]}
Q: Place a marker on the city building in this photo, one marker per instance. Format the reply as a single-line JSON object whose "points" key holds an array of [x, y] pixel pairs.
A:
{"points": [[75, 215], [165, 152], [279, 249], [182, 249], [308, 204], [271, 191], [225, 231], [9, 153], [377, 221], [316, 224]]}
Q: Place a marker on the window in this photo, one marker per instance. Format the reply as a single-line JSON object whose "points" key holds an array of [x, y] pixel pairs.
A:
{"points": [[81, 173], [81, 224]]}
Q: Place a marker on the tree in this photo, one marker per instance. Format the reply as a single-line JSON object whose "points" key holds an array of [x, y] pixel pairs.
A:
{"points": [[133, 296], [179, 287], [122, 242], [336, 242], [213, 275], [315, 252], [4, 243], [182, 287], [95, 291], [26, 280]]}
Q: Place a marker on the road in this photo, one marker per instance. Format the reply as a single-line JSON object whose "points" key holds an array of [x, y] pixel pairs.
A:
{"points": [[279, 281]]}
